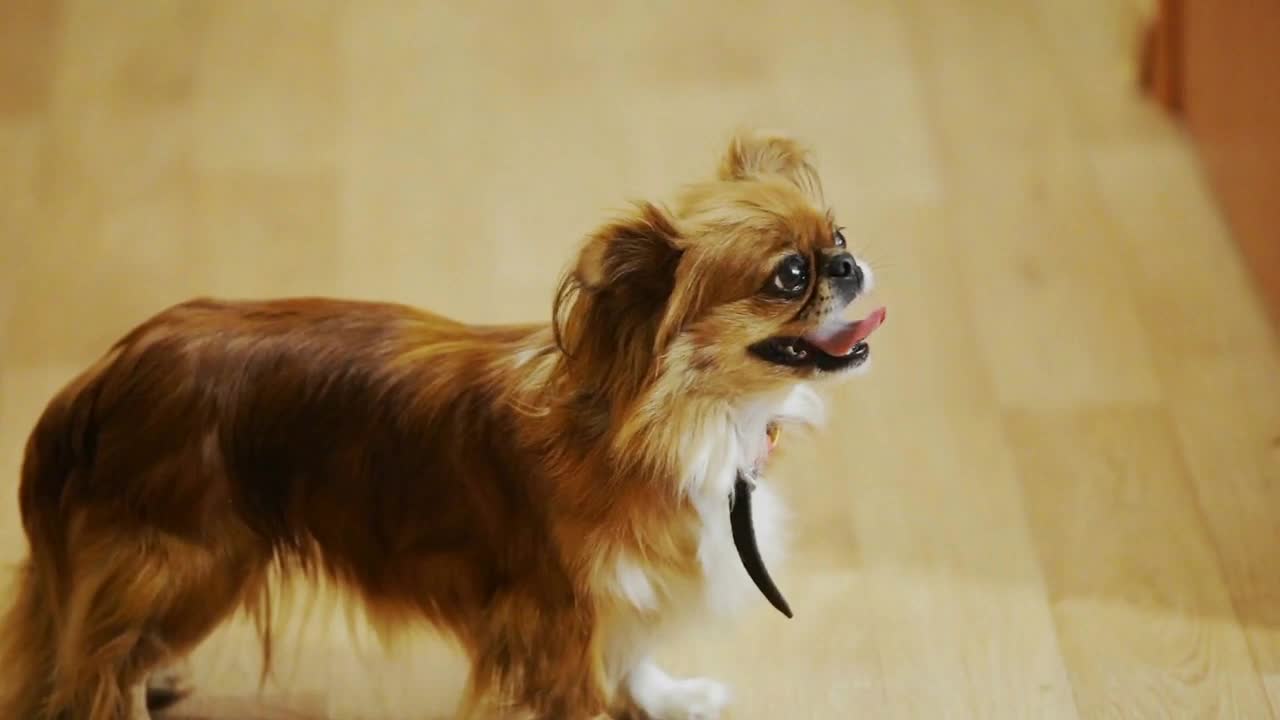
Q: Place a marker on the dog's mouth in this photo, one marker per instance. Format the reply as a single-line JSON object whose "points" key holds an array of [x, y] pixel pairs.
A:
{"points": [[829, 348]]}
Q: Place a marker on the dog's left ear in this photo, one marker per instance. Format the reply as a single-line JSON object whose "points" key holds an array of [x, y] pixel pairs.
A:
{"points": [[611, 308], [636, 254], [755, 154]]}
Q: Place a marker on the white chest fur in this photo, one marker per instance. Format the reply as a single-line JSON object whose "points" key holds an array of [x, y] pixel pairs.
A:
{"points": [[719, 445], [740, 442], [711, 454]]}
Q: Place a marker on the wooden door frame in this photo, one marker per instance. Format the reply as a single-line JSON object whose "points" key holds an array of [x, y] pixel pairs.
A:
{"points": [[1161, 62], [1182, 69]]}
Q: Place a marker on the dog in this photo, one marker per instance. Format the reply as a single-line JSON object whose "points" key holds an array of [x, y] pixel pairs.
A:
{"points": [[554, 497]]}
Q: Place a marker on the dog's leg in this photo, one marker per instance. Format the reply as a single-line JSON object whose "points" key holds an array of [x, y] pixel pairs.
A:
{"points": [[558, 688], [131, 605], [651, 694], [542, 665]]}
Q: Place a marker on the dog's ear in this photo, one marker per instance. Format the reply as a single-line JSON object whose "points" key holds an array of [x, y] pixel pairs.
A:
{"points": [[610, 308], [634, 254], [754, 154]]}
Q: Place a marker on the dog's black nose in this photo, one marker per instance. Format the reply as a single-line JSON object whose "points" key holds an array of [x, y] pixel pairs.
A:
{"points": [[844, 267]]}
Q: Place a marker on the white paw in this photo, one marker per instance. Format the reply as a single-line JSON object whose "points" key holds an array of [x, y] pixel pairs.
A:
{"points": [[693, 699], [662, 697]]}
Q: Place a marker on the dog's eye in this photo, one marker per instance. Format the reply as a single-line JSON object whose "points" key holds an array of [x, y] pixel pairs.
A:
{"points": [[792, 275], [839, 238]]}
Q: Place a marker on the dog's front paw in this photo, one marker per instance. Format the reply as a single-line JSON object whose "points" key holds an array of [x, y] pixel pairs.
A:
{"points": [[694, 699], [659, 696]]}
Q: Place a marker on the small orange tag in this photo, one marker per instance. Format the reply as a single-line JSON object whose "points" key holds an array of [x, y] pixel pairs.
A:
{"points": [[773, 431]]}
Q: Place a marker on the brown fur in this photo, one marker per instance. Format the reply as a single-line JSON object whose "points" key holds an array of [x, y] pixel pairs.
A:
{"points": [[477, 477]]}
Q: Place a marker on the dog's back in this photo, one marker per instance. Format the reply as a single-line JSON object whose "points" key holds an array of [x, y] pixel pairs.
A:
{"points": [[252, 406]]}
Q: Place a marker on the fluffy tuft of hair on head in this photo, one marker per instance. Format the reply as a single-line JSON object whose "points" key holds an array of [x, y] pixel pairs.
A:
{"points": [[755, 154]]}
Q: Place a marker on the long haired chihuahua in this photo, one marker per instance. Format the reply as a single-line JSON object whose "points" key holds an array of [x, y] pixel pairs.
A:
{"points": [[553, 496]]}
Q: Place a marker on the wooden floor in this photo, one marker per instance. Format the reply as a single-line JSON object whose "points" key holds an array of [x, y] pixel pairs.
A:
{"points": [[1058, 494]]}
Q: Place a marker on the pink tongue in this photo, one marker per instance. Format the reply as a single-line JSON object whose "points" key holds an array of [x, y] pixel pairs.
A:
{"points": [[841, 341]]}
